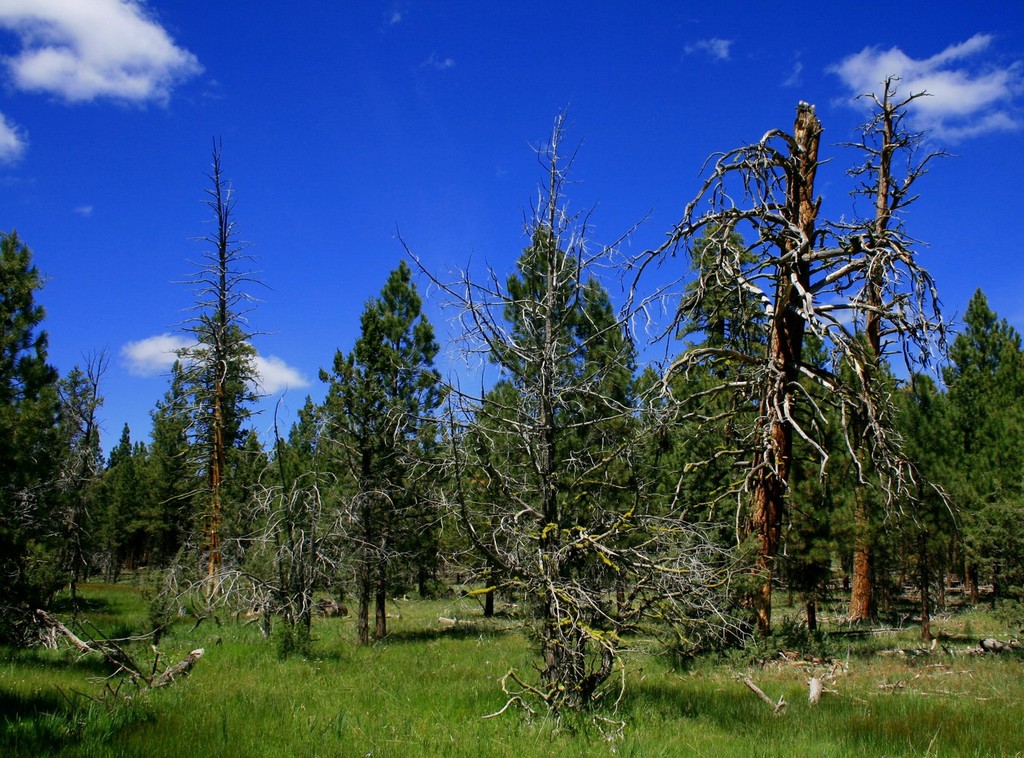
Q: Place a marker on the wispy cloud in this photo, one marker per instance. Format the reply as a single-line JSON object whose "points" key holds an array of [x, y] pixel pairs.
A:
{"points": [[12, 141], [716, 47], [967, 96], [437, 62], [155, 355], [84, 211], [795, 77], [80, 51]]}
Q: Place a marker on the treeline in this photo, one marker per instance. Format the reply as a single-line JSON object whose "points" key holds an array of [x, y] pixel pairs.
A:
{"points": [[782, 450]]}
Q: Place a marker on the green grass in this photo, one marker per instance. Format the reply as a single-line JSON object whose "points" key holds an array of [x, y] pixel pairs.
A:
{"points": [[424, 692]]}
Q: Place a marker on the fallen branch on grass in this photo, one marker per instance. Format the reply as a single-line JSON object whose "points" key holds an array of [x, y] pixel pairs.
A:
{"points": [[181, 668], [913, 652], [445, 621], [121, 659], [777, 708], [49, 623]]}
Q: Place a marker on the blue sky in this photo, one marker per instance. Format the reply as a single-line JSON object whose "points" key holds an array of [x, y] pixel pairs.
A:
{"points": [[342, 122]]}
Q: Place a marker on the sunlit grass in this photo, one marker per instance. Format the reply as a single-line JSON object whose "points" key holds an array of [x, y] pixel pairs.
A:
{"points": [[425, 690]]}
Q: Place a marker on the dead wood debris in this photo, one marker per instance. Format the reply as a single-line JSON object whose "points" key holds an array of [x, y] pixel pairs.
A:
{"points": [[144, 677], [446, 621], [777, 707], [984, 647]]}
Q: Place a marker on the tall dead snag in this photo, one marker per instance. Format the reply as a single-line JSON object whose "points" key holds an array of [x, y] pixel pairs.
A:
{"points": [[218, 367], [805, 276], [794, 242], [882, 244]]}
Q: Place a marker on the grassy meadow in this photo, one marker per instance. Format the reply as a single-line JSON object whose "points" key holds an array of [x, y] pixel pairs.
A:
{"points": [[425, 690]]}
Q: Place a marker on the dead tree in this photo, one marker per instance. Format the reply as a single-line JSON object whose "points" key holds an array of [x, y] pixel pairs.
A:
{"points": [[218, 367], [881, 242], [548, 467], [80, 401], [806, 276]]}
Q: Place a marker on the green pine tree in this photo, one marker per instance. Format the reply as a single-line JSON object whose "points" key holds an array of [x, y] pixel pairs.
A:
{"points": [[30, 537], [377, 408], [985, 381]]}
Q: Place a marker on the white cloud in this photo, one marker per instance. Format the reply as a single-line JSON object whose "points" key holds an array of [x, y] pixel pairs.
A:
{"points": [[84, 211], [276, 375], [716, 47], [12, 141], [966, 98], [81, 50], [153, 355]]}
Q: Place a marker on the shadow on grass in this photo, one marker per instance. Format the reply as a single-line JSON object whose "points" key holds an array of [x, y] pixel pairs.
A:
{"points": [[730, 709], [64, 606], [15, 707], [87, 665], [462, 631], [36, 724]]}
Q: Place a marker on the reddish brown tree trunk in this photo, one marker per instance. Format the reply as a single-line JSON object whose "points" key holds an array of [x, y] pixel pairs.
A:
{"points": [[769, 495], [217, 462], [812, 615], [785, 346], [863, 604], [862, 594]]}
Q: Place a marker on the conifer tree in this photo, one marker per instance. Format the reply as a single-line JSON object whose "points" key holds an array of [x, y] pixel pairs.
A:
{"points": [[129, 526], [30, 532], [929, 530], [172, 474], [378, 406], [985, 380]]}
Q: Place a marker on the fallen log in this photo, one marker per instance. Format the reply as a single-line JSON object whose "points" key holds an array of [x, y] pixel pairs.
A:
{"points": [[119, 658], [992, 645], [181, 668], [912, 652], [446, 621], [49, 622]]}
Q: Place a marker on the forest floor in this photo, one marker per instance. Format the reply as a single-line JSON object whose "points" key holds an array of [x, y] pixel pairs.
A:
{"points": [[426, 688]]}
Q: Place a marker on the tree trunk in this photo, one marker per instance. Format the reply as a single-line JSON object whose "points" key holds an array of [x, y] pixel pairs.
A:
{"points": [[380, 597], [771, 473], [971, 582], [363, 614], [863, 604], [767, 523], [812, 615], [862, 591], [217, 461], [422, 575], [489, 578]]}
